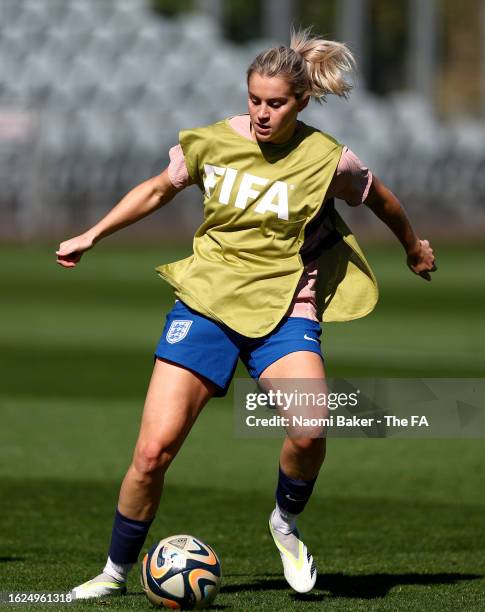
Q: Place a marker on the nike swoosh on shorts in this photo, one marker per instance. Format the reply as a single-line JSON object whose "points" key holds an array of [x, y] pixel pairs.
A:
{"points": [[312, 339]]}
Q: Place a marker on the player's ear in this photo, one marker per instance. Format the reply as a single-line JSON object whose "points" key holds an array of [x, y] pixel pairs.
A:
{"points": [[303, 103]]}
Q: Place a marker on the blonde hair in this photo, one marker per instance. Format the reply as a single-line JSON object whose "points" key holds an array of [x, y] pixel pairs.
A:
{"points": [[312, 66]]}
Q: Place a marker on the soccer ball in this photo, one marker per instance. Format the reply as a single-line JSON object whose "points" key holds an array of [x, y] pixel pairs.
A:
{"points": [[181, 572]]}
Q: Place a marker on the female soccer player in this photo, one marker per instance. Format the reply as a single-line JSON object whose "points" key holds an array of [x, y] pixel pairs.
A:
{"points": [[270, 260]]}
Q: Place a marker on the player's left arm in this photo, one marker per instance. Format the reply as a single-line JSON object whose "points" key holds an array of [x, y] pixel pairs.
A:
{"points": [[385, 205]]}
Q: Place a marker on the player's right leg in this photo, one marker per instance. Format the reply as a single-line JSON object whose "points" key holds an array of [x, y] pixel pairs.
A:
{"points": [[196, 360], [175, 398]]}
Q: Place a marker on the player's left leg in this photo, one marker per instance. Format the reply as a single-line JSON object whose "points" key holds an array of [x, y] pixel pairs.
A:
{"points": [[301, 457]]}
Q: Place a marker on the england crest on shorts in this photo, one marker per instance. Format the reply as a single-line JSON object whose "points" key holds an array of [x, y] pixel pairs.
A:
{"points": [[178, 330]]}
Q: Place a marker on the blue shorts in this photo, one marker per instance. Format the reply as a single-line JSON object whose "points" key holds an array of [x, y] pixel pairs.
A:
{"points": [[212, 349]]}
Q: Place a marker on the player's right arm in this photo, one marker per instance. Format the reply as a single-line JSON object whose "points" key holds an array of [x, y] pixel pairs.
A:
{"points": [[136, 204]]}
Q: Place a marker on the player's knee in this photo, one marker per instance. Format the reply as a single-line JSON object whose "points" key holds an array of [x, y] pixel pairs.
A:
{"points": [[151, 459], [313, 445]]}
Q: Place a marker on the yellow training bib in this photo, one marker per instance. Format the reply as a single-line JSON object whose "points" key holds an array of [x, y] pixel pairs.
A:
{"points": [[258, 199]]}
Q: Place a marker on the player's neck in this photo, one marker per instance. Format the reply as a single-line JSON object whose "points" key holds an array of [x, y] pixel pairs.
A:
{"points": [[286, 138]]}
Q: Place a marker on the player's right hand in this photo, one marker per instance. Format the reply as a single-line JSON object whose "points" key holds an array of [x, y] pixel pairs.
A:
{"points": [[70, 251]]}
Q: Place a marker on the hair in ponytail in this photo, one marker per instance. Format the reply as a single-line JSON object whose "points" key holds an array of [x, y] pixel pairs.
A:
{"points": [[313, 66]]}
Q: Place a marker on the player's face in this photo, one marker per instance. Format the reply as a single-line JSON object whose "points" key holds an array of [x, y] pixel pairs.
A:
{"points": [[273, 108]]}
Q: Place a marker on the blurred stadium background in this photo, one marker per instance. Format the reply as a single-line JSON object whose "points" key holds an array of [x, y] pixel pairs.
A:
{"points": [[92, 95], [94, 92]]}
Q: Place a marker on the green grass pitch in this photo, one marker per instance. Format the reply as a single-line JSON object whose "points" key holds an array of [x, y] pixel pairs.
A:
{"points": [[393, 525]]}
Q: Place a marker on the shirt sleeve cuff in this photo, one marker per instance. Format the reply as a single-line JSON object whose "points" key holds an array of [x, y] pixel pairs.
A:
{"points": [[177, 168]]}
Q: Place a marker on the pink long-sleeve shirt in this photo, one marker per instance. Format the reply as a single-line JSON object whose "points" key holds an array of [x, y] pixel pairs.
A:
{"points": [[351, 182]]}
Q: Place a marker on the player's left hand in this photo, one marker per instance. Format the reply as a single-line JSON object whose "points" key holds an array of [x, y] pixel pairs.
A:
{"points": [[421, 260]]}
